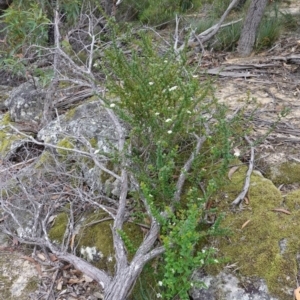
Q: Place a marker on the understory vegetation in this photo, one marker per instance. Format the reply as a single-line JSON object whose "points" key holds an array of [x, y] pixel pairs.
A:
{"points": [[172, 147]]}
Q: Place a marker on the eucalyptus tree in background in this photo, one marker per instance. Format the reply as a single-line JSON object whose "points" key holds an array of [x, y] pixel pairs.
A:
{"points": [[249, 31]]}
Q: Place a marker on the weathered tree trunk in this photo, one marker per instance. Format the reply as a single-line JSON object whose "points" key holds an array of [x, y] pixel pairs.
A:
{"points": [[121, 285], [249, 31]]}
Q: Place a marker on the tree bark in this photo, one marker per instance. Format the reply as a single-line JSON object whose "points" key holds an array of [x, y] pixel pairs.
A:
{"points": [[249, 31]]}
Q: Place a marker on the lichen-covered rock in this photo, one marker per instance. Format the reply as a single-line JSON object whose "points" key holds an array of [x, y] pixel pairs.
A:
{"points": [[89, 120], [284, 173], [227, 286], [26, 103], [18, 277], [88, 123]]}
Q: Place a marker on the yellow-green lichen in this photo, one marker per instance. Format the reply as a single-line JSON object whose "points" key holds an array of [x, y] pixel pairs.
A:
{"points": [[64, 143], [70, 113], [45, 158], [32, 285], [5, 119], [93, 142], [255, 247]]}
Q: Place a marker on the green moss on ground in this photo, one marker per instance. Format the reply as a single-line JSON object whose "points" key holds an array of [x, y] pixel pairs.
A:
{"points": [[96, 233], [255, 248], [57, 231], [285, 173]]}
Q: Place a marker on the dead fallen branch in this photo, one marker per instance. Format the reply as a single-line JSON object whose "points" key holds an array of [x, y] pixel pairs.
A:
{"points": [[244, 192]]}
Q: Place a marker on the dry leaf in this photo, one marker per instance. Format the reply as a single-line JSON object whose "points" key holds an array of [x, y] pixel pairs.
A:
{"points": [[41, 256], [39, 269], [87, 278], [247, 198], [236, 152], [297, 293], [232, 171], [282, 210], [74, 280], [53, 257], [59, 284], [28, 258], [245, 224]]}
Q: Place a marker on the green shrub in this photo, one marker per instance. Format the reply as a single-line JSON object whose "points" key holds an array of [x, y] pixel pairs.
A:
{"points": [[166, 107], [268, 33], [156, 12], [25, 25], [227, 38]]}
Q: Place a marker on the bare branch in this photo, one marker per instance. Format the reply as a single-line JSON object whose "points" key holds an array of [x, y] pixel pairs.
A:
{"points": [[187, 167], [244, 192]]}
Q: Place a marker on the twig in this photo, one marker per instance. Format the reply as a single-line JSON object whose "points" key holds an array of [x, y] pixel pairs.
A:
{"points": [[52, 285], [84, 153], [244, 192], [186, 169], [176, 34], [19, 164], [209, 33]]}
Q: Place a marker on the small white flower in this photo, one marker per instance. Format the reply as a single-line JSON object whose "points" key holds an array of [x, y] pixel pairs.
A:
{"points": [[188, 112], [158, 295], [203, 251], [192, 284], [168, 120], [216, 261], [195, 76], [151, 83], [109, 258], [160, 283], [165, 61], [170, 131], [97, 151], [112, 105], [202, 261], [95, 65], [157, 113], [173, 88]]}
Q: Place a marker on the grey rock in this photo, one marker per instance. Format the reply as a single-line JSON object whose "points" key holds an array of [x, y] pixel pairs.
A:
{"points": [[87, 122], [26, 103]]}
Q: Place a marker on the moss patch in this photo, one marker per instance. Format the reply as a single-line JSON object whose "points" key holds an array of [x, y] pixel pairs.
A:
{"points": [[255, 248], [56, 233], [94, 241], [285, 173]]}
